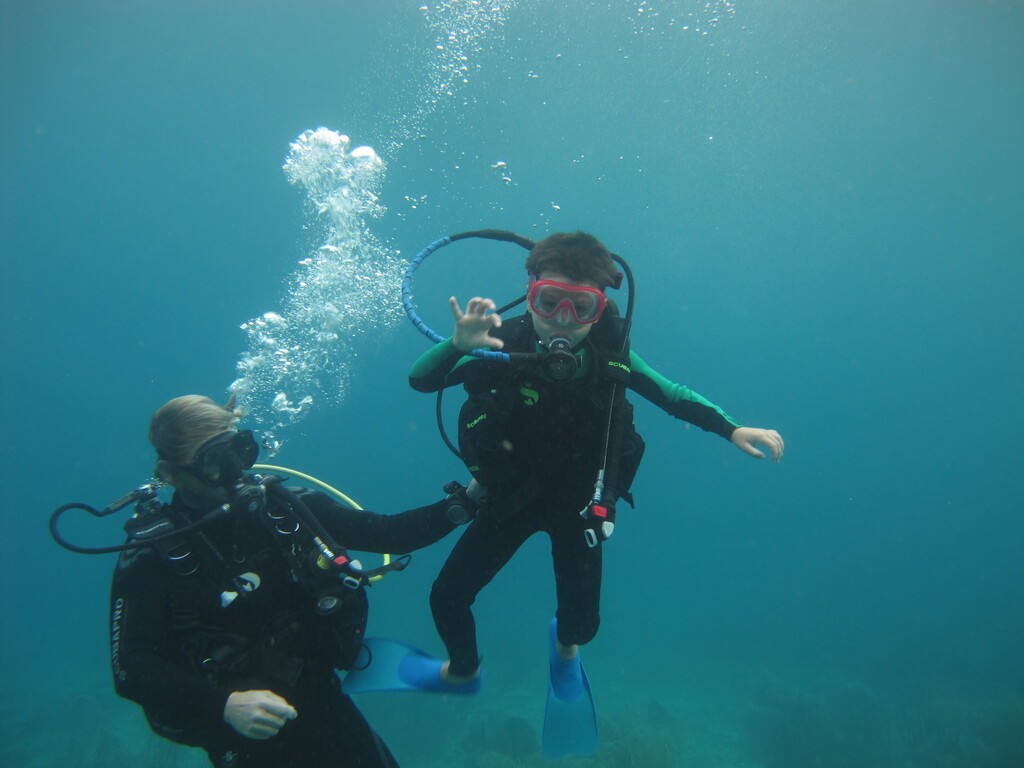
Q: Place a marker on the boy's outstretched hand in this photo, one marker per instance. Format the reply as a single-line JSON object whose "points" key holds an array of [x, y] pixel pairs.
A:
{"points": [[748, 438], [471, 326]]}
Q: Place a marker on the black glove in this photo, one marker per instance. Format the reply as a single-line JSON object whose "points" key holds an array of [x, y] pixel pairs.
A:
{"points": [[600, 522], [461, 509]]}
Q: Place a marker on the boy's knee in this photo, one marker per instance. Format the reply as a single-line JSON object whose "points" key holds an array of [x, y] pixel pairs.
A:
{"points": [[437, 596], [443, 596]]}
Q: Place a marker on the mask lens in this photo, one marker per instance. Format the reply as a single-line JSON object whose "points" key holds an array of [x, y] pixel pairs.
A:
{"points": [[585, 306], [550, 299], [221, 459], [245, 447], [547, 300]]}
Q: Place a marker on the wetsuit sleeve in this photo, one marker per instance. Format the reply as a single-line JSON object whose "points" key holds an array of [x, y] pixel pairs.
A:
{"points": [[372, 532], [180, 704], [678, 400], [431, 371]]}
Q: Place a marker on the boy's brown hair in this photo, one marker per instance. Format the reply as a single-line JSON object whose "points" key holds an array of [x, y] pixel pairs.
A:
{"points": [[579, 256]]}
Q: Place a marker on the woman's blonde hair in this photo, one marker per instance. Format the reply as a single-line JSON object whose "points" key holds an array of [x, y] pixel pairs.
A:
{"points": [[182, 425]]}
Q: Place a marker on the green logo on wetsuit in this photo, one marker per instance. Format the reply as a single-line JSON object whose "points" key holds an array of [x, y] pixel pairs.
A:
{"points": [[476, 421], [530, 396]]}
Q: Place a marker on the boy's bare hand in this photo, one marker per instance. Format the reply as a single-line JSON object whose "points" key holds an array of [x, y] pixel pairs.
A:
{"points": [[472, 326], [747, 438]]}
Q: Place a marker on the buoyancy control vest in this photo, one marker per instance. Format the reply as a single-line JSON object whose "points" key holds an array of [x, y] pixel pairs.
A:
{"points": [[521, 434], [325, 625]]}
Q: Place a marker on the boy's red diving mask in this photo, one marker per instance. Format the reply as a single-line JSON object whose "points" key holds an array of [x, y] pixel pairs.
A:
{"points": [[565, 302]]}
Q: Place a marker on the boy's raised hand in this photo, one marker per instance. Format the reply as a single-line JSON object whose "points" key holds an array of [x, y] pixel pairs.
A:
{"points": [[472, 326], [748, 438]]}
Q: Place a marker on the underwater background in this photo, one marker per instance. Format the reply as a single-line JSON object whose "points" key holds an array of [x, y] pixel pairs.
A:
{"points": [[821, 203]]}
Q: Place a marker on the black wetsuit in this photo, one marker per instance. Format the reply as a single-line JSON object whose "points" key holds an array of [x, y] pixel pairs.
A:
{"points": [[556, 430], [181, 643]]}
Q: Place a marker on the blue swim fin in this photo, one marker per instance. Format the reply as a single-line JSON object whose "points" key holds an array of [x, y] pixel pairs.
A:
{"points": [[570, 722], [390, 665]]}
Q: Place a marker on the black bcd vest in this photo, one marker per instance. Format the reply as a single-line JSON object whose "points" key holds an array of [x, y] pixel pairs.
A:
{"points": [[334, 638], [521, 434]]}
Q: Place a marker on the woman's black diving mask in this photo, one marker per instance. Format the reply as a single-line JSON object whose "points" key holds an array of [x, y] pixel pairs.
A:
{"points": [[222, 459]]}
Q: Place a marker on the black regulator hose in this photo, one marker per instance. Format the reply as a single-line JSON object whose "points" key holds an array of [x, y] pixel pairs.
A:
{"points": [[57, 537], [207, 519]]}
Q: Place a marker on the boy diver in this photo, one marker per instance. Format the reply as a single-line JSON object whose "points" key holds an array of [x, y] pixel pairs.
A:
{"points": [[533, 436]]}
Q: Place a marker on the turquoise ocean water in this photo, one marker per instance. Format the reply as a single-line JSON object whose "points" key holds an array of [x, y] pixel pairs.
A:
{"points": [[821, 203]]}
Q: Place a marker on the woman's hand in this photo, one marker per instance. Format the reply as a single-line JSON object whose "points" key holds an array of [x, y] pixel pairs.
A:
{"points": [[257, 714]]}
